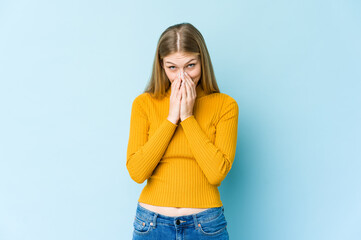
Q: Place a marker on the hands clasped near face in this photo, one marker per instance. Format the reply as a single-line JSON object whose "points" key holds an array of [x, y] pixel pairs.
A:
{"points": [[183, 96]]}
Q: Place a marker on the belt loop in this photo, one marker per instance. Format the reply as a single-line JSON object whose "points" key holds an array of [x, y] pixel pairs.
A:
{"points": [[155, 220], [195, 221]]}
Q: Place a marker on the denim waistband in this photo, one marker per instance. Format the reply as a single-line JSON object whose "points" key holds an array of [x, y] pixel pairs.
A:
{"points": [[204, 216]]}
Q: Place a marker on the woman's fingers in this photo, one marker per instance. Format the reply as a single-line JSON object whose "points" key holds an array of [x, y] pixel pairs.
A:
{"points": [[189, 78], [178, 89], [190, 86], [174, 84], [186, 87], [178, 92], [184, 90]]}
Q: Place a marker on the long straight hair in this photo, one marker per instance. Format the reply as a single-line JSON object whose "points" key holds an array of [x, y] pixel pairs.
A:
{"points": [[183, 38]]}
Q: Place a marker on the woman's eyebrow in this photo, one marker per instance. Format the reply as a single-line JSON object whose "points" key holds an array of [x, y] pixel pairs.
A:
{"points": [[186, 62]]}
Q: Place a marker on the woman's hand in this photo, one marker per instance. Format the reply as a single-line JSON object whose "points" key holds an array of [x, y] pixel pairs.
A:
{"points": [[188, 96], [174, 101]]}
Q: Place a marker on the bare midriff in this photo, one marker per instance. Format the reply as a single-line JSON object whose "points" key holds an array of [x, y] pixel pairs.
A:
{"points": [[172, 211]]}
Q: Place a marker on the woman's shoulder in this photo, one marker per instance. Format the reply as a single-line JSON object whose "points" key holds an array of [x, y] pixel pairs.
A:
{"points": [[224, 103], [222, 98], [142, 97], [141, 101]]}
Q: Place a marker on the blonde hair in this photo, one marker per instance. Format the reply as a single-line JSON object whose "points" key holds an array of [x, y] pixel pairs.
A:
{"points": [[184, 38]]}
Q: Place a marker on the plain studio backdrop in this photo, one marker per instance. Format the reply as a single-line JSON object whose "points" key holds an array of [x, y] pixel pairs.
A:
{"points": [[69, 71]]}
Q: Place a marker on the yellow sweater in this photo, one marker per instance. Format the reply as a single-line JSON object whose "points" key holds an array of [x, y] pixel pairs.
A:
{"points": [[183, 163]]}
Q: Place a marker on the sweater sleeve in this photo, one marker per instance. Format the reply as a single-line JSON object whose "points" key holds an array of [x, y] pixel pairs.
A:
{"points": [[215, 159], [143, 152]]}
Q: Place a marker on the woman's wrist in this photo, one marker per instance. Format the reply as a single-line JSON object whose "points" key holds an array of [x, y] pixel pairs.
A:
{"points": [[172, 120]]}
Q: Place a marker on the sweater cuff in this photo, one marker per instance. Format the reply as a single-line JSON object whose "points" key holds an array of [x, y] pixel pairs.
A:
{"points": [[174, 125], [167, 127], [189, 122]]}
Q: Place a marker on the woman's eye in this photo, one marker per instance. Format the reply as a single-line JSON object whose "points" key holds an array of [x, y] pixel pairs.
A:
{"points": [[172, 67]]}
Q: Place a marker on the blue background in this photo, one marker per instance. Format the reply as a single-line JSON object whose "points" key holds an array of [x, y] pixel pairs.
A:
{"points": [[69, 71]]}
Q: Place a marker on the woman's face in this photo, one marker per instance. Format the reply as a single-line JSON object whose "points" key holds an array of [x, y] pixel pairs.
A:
{"points": [[186, 62]]}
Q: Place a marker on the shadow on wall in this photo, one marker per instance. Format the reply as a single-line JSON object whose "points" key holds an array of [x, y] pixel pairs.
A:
{"points": [[240, 189]]}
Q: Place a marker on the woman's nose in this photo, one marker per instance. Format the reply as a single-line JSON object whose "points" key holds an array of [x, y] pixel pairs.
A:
{"points": [[181, 73]]}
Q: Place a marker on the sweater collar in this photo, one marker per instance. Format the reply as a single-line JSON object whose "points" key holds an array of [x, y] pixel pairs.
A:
{"points": [[199, 90]]}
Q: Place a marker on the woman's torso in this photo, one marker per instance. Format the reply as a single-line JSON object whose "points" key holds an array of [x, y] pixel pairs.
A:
{"points": [[172, 211], [178, 161]]}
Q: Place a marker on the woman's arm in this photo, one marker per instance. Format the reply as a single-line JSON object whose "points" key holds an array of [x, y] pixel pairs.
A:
{"points": [[215, 159], [144, 154]]}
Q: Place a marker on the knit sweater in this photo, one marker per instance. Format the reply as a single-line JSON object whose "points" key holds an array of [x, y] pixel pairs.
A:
{"points": [[183, 163]]}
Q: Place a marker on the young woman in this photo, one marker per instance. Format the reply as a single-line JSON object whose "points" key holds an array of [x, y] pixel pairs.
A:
{"points": [[182, 140]]}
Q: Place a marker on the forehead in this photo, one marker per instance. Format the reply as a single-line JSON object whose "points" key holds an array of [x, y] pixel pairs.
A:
{"points": [[180, 57]]}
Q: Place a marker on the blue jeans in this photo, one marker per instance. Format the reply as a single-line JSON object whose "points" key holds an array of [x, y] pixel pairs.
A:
{"points": [[209, 224]]}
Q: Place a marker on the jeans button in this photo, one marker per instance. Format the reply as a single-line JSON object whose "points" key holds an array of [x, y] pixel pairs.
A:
{"points": [[177, 222]]}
